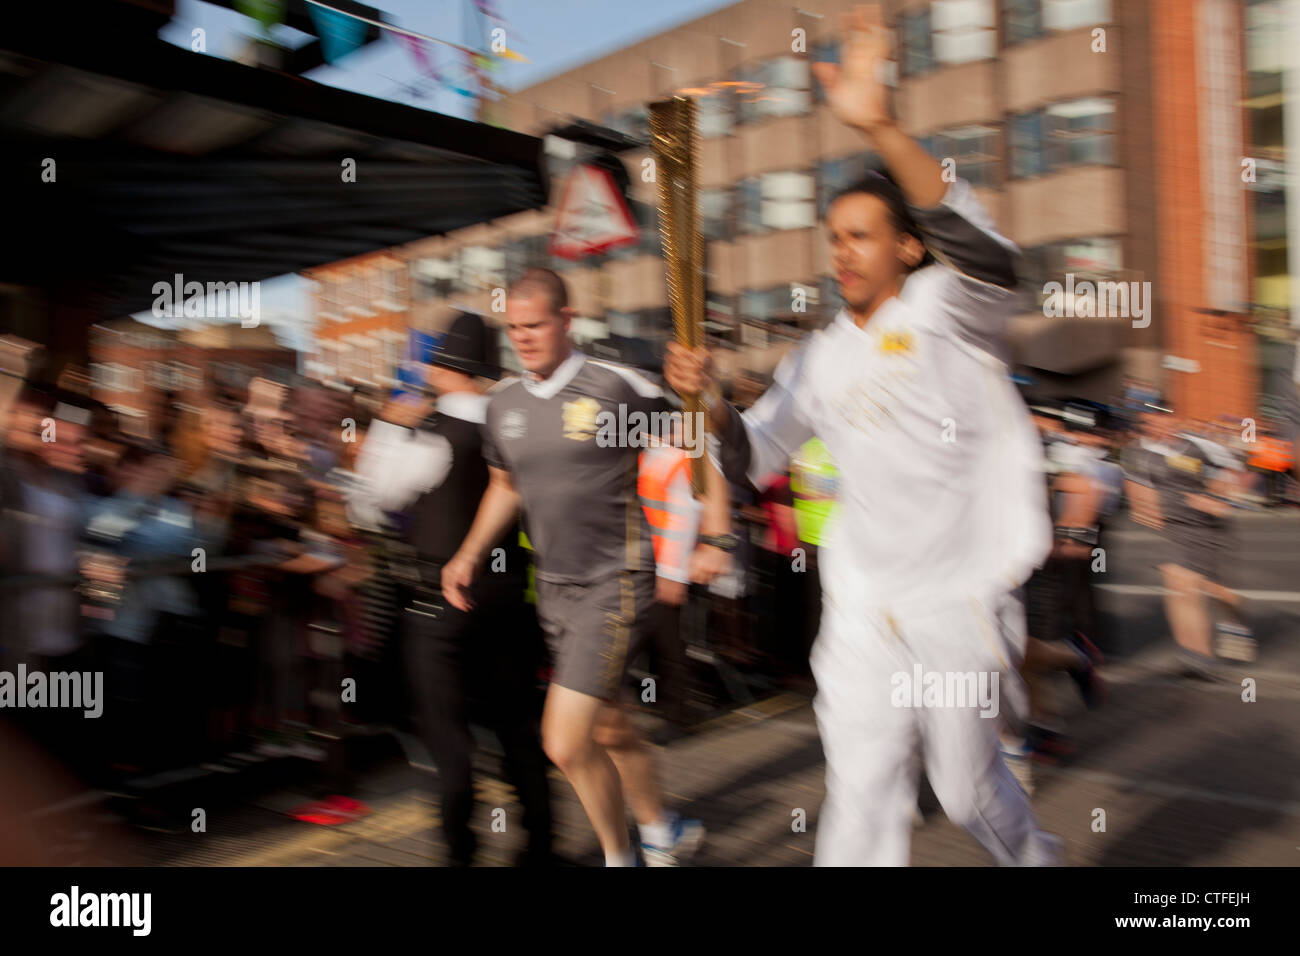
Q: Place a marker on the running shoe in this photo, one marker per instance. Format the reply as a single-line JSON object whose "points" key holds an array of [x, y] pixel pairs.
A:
{"points": [[687, 837], [1235, 642]]}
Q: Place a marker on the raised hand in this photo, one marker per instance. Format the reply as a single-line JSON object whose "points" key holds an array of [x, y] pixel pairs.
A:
{"points": [[856, 88]]}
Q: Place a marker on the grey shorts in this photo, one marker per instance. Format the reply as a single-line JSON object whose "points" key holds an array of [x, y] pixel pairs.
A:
{"points": [[595, 629], [1202, 549]]}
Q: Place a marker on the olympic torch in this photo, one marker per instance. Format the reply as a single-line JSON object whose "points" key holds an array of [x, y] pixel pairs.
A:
{"points": [[673, 139]]}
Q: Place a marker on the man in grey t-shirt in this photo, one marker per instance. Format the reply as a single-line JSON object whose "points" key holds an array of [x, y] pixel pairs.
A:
{"points": [[563, 442], [1176, 483]]}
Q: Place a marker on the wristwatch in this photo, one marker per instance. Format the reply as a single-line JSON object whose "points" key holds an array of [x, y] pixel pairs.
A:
{"points": [[1079, 535], [723, 542]]}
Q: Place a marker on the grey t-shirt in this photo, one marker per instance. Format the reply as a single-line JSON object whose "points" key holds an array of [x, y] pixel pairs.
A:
{"points": [[581, 508], [1175, 470]]}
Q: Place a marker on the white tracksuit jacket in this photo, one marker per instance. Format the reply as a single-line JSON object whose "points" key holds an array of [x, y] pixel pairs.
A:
{"points": [[942, 514]]}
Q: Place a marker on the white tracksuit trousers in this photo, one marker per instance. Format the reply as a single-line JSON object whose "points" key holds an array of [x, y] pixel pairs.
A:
{"points": [[874, 749]]}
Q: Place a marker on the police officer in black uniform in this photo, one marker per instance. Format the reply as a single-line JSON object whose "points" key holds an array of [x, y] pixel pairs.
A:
{"points": [[424, 459]]}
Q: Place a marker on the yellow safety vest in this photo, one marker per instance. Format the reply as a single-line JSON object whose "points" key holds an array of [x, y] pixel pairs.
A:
{"points": [[530, 592], [814, 481]]}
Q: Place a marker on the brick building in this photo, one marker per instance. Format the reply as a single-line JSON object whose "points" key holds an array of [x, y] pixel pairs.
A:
{"points": [[361, 308], [134, 366], [1104, 137]]}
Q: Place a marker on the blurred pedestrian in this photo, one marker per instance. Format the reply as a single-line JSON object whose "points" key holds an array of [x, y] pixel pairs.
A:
{"points": [[595, 559], [1184, 484], [941, 507], [664, 486], [424, 457]]}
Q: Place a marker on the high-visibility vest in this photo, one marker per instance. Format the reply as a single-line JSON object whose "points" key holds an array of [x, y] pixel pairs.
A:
{"points": [[1272, 454], [664, 483], [530, 591], [814, 481]]}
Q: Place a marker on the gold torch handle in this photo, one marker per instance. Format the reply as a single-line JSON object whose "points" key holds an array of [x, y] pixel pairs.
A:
{"points": [[673, 139]]}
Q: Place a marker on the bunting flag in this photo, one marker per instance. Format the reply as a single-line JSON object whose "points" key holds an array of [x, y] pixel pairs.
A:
{"points": [[266, 12], [339, 33], [471, 65], [423, 56]]}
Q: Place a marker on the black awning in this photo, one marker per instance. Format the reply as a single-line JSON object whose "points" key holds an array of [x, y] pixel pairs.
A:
{"points": [[168, 161]]}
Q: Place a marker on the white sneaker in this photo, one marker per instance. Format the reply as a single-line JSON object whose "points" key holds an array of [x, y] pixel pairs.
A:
{"points": [[1235, 643], [687, 837]]}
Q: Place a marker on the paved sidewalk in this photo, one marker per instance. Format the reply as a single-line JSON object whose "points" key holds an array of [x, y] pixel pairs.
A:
{"points": [[1187, 774]]}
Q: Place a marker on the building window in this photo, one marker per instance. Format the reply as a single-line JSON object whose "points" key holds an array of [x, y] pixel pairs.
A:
{"points": [[963, 30], [157, 375], [719, 314], [834, 175], [392, 356], [1028, 158], [757, 303], [185, 378], [113, 377], [715, 112], [621, 323], [1021, 20], [749, 205], [390, 286], [1072, 14], [647, 216], [1094, 259], [777, 201], [975, 149], [352, 294], [482, 268], [1073, 133], [715, 213], [329, 296], [436, 278], [1267, 61], [791, 303], [634, 123], [804, 303], [330, 360], [783, 88], [1080, 132], [914, 31], [522, 254]]}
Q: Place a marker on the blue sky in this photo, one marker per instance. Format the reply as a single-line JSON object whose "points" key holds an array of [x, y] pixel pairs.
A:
{"points": [[554, 35]]}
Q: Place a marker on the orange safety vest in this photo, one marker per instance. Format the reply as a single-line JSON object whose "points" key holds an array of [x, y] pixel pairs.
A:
{"points": [[670, 520], [1271, 454]]}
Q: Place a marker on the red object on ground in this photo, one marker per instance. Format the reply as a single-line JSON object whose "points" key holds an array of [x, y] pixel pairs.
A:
{"points": [[331, 811]]}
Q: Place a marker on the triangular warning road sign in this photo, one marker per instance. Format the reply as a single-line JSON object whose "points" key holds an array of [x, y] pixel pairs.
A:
{"points": [[593, 216]]}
